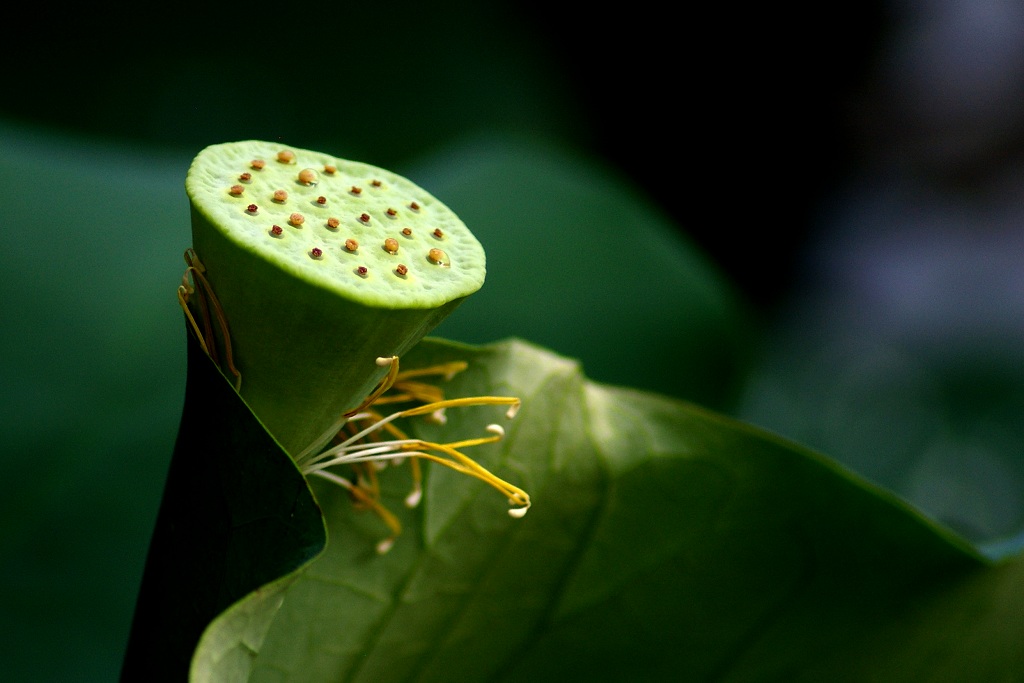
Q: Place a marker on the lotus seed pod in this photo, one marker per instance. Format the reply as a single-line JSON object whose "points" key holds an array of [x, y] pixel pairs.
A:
{"points": [[308, 314]]}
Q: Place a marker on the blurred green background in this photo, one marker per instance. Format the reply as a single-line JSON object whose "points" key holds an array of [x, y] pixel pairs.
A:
{"points": [[816, 230]]}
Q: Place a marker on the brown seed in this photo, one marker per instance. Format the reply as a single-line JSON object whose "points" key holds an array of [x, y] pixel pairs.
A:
{"points": [[437, 233], [401, 270], [356, 190], [391, 245], [391, 213], [414, 206], [365, 218], [351, 244], [407, 232]]}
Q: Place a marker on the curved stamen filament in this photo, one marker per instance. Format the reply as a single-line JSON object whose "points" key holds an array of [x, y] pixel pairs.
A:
{"points": [[512, 402], [516, 496], [360, 495], [384, 385]]}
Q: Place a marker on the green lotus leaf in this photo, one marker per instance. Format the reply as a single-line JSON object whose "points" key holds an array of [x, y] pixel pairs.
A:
{"points": [[664, 542]]}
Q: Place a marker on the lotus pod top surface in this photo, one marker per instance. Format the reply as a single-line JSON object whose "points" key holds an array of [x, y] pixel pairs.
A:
{"points": [[366, 233]]}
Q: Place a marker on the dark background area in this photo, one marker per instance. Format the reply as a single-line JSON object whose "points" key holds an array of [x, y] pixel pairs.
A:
{"points": [[734, 117], [854, 167]]}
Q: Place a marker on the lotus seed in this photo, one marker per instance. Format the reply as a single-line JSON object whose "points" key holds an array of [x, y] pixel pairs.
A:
{"points": [[286, 156], [296, 219], [391, 245], [280, 196], [351, 244], [438, 256]]}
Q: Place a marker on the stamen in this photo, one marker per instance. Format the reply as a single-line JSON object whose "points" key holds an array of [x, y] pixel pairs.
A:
{"points": [[413, 499], [364, 449]]}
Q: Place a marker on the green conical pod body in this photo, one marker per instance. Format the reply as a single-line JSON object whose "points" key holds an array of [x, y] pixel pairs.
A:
{"points": [[321, 266]]}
